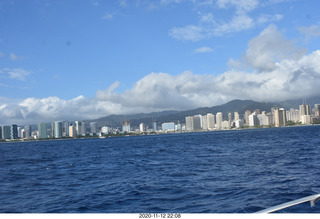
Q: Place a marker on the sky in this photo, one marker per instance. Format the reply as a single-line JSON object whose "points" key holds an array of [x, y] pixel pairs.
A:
{"points": [[86, 59]]}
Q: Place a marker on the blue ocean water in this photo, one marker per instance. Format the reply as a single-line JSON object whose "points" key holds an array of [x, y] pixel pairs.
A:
{"points": [[240, 171]]}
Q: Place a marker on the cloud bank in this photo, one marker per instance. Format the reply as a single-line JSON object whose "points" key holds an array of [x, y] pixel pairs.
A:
{"points": [[272, 69]]}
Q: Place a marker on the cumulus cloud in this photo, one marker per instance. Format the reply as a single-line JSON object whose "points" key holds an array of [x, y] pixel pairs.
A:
{"points": [[267, 49], [281, 71]]}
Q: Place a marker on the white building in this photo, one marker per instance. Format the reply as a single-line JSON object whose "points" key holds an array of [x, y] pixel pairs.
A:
{"points": [[141, 127], [253, 120], [211, 121], [219, 117]]}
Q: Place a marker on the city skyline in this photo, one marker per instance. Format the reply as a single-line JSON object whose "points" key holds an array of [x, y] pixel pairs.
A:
{"points": [[87, 59], [278, 117]]}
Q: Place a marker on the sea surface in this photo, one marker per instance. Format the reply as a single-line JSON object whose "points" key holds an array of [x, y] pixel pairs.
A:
{"points": [[236, 171]]}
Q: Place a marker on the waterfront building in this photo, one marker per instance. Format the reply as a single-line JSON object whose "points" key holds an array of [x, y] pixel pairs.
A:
{"points": [[126, 126], [246, 116], [155, 125], [211, 121], [72, 131], [317, 110], [168, 126], [236, 116], [0, 132], [306, 119], [230, 119], [178, 127], [225, 125], [105, 130], [6, 132], [13, 132], [78, 125], [253, 120], [66, 126], [279, 117], [52, 129], [42, 129], [197, 122], [263, 119], [205, 122], [27, 132], [83, 129], [293, 115], [58, 129], [93, 127], [219, 117], [189, 123], [239, 123], [141, 127], [304, 110]]}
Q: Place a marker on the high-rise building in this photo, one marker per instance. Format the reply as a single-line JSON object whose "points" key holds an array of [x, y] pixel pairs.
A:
{"points": [[83, 129], [0, 132], [205, 122], [155, 125], [93, 127], [236, 116], [229, 119], [168, 126], [197, 122], [27, 131], [219, 117], [211, 121], [246, 116], [105, 130], [66, 125], [141, 127], [14, 132], [126, 126], [42, 129], [253, 119], [317, 110], [78, 125], [6, 132], [189, 123], [280, 117], [58, 129], [72, 131]]}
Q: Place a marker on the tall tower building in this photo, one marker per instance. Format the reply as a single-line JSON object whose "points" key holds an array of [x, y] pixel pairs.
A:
{"points": [[205, 122], [141, 127], [219, 117], [197, 122], [246, 116], [317, 110], [6, 132], [236, 116], [27, 131], [211, 121], [93, 127], [57, 129], [280, 117], [189, 123], [78, 125], [42, 129], [126, 126]]}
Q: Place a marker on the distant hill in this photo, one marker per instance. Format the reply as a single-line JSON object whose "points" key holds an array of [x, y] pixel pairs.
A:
{"points": [[239, 106]]}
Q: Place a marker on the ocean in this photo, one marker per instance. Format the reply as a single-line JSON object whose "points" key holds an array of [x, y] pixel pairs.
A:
{"points": [[235, 171]]}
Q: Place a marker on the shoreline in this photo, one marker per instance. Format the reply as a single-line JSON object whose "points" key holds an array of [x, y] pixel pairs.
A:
{"points": [[131, 134]]}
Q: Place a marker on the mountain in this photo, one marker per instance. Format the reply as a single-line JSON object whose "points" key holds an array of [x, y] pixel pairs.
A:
{"points": [[239, 106]]}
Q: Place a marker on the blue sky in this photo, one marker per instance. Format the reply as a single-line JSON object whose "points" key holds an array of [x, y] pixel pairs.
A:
{"points": [[81, 59]]}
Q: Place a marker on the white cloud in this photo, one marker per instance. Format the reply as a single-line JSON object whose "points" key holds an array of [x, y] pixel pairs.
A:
{"points": [[15, 73], [237, 18], [281, 71], [107, 16], [15, 57], [191, 32], [204, 49], [311, 31], [267, 49]]}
